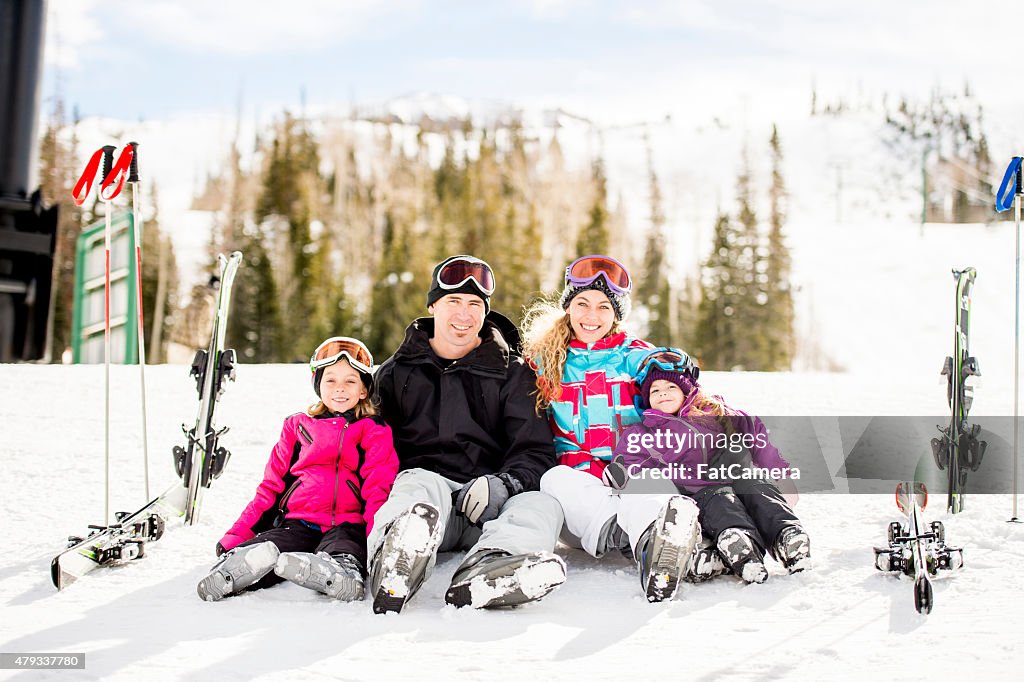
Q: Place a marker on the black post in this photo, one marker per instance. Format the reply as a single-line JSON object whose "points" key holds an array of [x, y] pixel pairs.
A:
{"points": [[27, 230]]}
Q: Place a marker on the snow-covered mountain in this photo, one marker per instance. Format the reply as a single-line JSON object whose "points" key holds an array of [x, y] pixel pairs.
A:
{"points": [[853, 208]]}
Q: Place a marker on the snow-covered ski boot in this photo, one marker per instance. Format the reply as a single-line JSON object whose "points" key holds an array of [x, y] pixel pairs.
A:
{"points": [[494, 578], [665, 551], [237, 570], [407, 552], [742, 554], [707, 563], [793, 549], [340, 577]]}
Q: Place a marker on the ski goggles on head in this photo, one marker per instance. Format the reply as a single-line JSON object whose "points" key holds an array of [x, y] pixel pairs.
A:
{"points": [[585, 270], [669, 361], [337, 347], [458, 270]]}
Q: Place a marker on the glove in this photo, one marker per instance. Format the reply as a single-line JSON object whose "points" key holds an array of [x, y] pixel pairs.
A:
{"points": [[481, 499], [615, 475], [220, 549]]}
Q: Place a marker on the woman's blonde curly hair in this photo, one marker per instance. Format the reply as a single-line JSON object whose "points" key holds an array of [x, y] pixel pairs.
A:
{"points": [[546, 332]]}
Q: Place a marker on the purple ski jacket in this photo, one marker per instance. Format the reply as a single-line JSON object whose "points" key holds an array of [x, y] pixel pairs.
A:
{"points": [[326, 470], [690, 449]]}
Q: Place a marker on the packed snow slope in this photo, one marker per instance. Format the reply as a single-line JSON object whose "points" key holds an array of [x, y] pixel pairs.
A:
{"points": [[841, 620]]}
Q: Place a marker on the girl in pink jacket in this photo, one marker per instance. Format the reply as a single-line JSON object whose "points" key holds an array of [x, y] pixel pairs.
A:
{"points": [[331, 470]]}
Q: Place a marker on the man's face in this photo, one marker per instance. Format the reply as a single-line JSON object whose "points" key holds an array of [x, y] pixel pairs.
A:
{"points": [[458, 319]]}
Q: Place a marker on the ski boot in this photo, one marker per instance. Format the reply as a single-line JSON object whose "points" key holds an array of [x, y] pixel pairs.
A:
{"points": [[664, 553], [407, 552], [793, 549], [707, 563], [494, 578], [742, 554], [237, 570], [340, 577]]}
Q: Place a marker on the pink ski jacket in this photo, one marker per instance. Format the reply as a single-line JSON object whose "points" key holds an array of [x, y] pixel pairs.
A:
{"points": [[324, 470]]}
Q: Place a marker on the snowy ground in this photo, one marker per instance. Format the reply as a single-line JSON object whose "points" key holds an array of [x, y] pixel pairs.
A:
{"points": [[842, 620]]}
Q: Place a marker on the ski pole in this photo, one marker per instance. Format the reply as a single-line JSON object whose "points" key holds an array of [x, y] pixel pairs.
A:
{"points": [[111, 174], [1013, 174], [110, 186], [133, 180], [108, 161]]}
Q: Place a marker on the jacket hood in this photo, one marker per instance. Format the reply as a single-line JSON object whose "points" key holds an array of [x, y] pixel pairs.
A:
{"points": [[494, 352]]}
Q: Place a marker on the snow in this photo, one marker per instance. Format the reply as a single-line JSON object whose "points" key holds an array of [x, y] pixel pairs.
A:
{"points": [[840, 620]]}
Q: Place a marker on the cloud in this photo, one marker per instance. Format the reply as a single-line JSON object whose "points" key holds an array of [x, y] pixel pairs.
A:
{"points": [[71, 27], [248, 27], [224, 27]]}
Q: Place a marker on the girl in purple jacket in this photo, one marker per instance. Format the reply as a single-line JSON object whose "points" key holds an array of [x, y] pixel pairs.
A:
{"points": [[701, 444], [331, 470]]}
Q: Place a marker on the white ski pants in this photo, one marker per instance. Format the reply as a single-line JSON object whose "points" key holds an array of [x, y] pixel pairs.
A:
{"points": [[594, 512]]}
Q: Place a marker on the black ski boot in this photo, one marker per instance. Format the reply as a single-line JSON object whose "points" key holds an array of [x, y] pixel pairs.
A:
{"points": [[793, 549], [492, 578], [742, 554], [707, 563], [664, 553], [401, 562]]}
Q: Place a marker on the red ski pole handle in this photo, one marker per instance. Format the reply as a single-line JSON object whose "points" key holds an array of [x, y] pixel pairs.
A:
{"points": [[113, 181], [84, 185]]}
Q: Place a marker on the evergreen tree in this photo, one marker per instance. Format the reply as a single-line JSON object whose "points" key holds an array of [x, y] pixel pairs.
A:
{"points": [[750, 280], [255, 324], [159, 278], [449, 190], [718, 326], [779, 331], [514, 248], [653, 289], [594, 237], [291, 190], [327, 316], [399, 292]]}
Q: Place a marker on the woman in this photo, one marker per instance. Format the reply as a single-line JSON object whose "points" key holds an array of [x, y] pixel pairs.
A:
{"points": [[585, 365]]}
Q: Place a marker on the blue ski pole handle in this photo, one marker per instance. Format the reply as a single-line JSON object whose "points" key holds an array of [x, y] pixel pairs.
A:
{"points": [[1004, 197]]}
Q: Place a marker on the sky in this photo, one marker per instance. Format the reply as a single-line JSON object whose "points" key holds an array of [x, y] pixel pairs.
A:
{"points": [[613, 61]]}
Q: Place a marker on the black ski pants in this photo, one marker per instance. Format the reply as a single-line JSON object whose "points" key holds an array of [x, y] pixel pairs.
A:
{"points": [[754, 505], [296, 536]]}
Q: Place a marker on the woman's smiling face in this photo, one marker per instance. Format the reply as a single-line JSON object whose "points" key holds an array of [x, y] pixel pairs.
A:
{"points": [[591, 315]]}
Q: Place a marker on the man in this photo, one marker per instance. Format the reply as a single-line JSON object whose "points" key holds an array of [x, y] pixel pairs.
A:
{"points": [[471, 450]]}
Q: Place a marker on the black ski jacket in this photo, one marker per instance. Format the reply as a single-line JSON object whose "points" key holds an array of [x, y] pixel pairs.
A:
{"points": [[472, 418]]}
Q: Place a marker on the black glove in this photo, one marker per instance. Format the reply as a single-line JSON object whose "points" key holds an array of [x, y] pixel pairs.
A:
{"points": [[615, 475], [220, 549], [481, 499]]}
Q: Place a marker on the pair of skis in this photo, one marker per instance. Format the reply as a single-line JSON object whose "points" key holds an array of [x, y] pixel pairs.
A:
{"points": [[198, 463], [958, 449], [917, 549]]}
